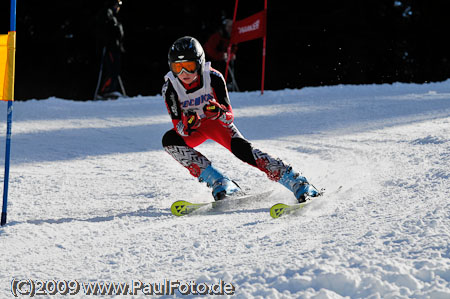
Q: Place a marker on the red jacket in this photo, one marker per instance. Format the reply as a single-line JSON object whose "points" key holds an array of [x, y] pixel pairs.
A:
{"points": [[217, 46]]}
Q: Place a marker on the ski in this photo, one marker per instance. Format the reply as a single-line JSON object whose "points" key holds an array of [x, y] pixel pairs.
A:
{"points": [[281, 209], [183, 207]]}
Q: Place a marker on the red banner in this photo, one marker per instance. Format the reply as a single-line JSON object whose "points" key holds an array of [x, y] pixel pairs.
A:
{"points": [[252, 27], [249, 28]]}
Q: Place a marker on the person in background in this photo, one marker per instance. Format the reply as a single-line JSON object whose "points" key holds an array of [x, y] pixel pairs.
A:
{"points": [[197, 101], [110, 43], [216, 50]]}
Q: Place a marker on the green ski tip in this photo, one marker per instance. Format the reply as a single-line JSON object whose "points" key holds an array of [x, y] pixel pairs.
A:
{"points": [[281, 209], [182, 207], [278, 210]]}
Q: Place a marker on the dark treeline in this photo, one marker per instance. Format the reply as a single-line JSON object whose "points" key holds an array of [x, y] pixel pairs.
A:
{"points": [[309, 43]]}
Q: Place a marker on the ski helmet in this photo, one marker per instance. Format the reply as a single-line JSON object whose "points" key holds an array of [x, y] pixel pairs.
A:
{"points": [[187, 48]]}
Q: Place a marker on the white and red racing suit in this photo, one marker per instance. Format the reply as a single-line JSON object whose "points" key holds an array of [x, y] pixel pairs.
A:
{"points": [[181, 99]]}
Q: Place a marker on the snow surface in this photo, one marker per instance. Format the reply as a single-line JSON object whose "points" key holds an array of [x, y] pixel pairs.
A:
{"points": [[91, 189]]}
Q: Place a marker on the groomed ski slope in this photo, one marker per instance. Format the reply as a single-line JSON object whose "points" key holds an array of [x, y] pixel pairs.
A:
{"points": [[91, 189]]}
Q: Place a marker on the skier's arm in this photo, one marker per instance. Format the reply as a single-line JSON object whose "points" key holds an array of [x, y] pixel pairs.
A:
{"points": [[220, 108], [173, 107], [184, 124], [171, 100]]}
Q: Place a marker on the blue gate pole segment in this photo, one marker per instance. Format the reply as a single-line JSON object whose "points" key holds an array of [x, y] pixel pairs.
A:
{"points": [[12, 19], [7, 159], [8, 130]]}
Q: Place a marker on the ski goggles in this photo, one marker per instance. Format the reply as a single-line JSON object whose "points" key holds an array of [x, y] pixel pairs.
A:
{"points": [[188, 66]]}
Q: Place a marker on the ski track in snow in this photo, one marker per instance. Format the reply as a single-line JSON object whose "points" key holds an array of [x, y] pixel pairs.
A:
{"points": [[91, 189]]}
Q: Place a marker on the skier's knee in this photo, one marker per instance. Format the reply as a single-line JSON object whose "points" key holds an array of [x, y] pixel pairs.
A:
{"points": [[172, 138], [243, 150]]}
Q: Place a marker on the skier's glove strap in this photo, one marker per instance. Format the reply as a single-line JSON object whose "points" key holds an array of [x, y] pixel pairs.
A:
{"points": [[180, 129]]}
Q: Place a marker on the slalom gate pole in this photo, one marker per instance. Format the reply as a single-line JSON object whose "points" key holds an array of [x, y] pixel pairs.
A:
{"points": [[7, 162], [100, 74], [8, 131], [264, 52]]}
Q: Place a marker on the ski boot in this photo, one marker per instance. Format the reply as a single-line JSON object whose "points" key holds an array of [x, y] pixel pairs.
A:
{"points": [[221, 185], [298, 185]]}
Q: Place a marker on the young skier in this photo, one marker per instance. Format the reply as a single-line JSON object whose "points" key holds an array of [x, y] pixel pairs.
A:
{"points": [[197, 101]]}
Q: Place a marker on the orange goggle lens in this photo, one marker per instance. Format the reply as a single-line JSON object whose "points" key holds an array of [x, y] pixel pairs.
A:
{"points": [[188, 66]]}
